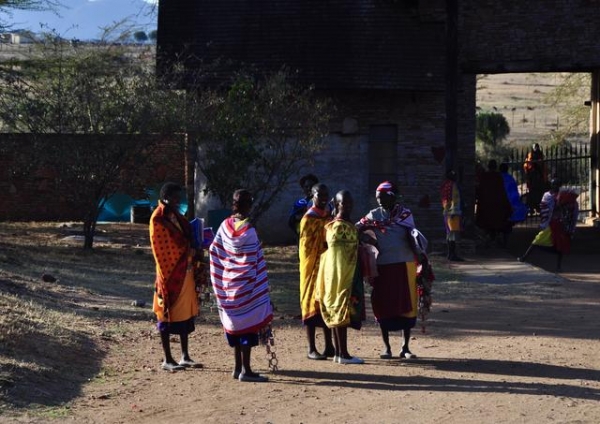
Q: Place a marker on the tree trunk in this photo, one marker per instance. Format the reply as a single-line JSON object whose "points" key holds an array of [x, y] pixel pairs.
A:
{"points": [[89, 230], [190, 166]]}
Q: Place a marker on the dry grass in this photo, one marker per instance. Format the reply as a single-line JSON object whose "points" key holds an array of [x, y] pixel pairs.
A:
{"points": [[53, 335], [522, 99]]}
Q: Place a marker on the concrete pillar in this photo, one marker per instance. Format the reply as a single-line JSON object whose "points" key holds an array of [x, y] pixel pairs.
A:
{"points": [[594, 142]]}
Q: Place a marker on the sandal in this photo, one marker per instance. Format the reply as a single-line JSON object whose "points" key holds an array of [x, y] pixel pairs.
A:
{"points": [[253, 378], [188, 363], [167, 366], [407, 354], [316, 356]]}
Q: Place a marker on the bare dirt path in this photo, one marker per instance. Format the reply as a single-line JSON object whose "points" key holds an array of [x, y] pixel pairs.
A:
{"points": [[505, 343], [512, 352]]}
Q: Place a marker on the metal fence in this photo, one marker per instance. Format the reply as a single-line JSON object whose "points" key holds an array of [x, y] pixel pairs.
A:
{"points": [[570, 163]]}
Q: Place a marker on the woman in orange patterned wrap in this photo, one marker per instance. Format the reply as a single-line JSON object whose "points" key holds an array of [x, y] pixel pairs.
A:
{"points": [[175, 300]]}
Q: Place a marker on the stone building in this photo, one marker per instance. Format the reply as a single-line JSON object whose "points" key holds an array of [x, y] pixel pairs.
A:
{"points": [[401, 72]]}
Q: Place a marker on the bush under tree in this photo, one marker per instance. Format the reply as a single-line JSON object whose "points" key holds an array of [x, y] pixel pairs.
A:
{"points": [[260, 133]]}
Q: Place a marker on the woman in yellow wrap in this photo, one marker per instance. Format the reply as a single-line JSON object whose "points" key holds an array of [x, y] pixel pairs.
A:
{"points": [[311, 246], [175, 300], [339, 286]]}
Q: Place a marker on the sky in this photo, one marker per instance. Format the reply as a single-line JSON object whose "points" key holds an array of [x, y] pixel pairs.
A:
{"points": [[83, 19]]}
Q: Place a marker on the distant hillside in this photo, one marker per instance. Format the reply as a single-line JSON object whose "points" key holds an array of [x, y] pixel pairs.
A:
{"points": [[522, 99]]}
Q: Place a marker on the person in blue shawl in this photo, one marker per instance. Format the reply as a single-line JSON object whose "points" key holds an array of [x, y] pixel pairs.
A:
{"points": [[519, 209]]}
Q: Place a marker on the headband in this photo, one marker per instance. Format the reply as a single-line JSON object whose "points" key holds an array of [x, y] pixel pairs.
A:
{"points": [[386, 187]]}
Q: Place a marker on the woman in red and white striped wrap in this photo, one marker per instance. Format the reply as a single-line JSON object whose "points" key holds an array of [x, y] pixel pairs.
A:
{"points": [[239, 278]]}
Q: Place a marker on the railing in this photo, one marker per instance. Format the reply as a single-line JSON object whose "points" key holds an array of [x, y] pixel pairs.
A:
{"points": [[570, 163]]}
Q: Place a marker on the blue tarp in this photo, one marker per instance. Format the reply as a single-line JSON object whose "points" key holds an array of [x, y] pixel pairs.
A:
{"points": [[118, 206]]}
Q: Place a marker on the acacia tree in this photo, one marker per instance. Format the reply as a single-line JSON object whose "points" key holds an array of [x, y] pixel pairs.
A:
{"points": [[259, 134], [491, 128], [140, 36], [566, 99], [6, 6], [94, 91]]}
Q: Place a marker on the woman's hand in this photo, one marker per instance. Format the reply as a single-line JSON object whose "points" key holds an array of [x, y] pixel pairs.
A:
{"points": [[367, 238]]}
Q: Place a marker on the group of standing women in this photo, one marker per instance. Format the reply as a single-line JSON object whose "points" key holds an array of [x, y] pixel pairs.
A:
{"points": [[331, 250]]}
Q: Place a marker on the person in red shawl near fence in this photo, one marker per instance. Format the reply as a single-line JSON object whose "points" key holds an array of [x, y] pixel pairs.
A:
{"points": [[559, 211], [536, 177], [175, 300], [493, 207], [238, 273]]}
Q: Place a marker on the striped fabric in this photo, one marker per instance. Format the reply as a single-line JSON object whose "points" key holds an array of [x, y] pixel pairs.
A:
{"points": [[546, 209], [238, 273]]}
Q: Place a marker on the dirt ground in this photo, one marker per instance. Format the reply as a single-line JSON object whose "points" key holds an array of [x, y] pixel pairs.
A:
{"points": [[505, 343]]}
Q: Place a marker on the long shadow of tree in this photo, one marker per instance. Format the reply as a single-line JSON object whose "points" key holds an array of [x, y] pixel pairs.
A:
{"points": [[48, 374]]}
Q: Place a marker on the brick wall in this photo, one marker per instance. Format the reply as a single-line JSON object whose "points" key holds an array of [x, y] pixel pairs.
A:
{"points": [[344, 164], [334, 43], [36, 194], [385, 63], [529, 36]]}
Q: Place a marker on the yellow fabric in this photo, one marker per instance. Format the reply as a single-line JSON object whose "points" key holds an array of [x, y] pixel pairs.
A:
{"points": [[186, 305], [411, 273], [310, 248], [336, 272], [543, 238], [240, 223], [453, 222]]}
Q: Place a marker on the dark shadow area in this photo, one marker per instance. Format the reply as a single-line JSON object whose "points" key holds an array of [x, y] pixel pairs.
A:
{"points": [[551, 318], [366, 381], [47, 374], [583, 259], [521, 299], [509, 368]]}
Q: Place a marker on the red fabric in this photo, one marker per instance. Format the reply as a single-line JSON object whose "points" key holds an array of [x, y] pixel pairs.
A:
{"points": [[561, 240], [446, 192], [564, 219], [391, 294], [170, 246]]}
